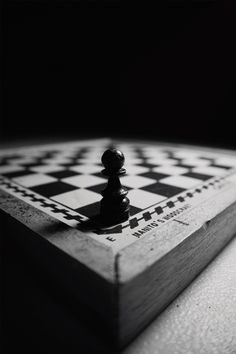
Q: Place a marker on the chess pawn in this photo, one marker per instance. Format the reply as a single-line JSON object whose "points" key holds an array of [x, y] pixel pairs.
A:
{"points": [[114, 204]]}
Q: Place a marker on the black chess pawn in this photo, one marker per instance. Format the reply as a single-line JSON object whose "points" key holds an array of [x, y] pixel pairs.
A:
{"points": [[114, 204]]}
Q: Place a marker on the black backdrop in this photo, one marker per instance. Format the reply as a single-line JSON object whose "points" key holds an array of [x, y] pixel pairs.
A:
{"points": [[92, 68], [73, 69]]}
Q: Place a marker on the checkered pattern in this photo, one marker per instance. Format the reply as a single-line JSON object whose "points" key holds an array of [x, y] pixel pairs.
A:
{"points": [[73, 179]]}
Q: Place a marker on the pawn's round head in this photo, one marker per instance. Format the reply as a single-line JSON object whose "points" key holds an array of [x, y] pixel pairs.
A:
{"points": [[113, 160]]}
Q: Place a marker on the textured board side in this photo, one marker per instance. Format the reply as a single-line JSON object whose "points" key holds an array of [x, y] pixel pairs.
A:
{"points": [[146, 295], [76, 244]]}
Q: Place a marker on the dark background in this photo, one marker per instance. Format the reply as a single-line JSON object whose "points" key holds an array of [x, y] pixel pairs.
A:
{"points": [[165, 72], [73, 69]]}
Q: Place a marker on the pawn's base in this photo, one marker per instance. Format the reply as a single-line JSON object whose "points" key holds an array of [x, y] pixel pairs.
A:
{"points": [[104, 220], [114, 219]]}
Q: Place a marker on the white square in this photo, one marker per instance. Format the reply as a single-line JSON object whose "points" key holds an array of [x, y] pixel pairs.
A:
{"points": [[153, 152], [83, 181], [210, 170], [47, 169], [57, 160], [170, 170], [135, 170], [161, 161], [143, 199], [22, 161], [187, 154], [132, 161], [156, 156], [127, 150], [180, 181], [93, 154], [9, 169], [226, 161], [136, 181], [86, 169], [89, 161], [77, 198], [129, 154], [34, 180]]}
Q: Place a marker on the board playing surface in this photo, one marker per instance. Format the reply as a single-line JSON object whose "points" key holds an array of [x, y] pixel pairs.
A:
{"points": [[65, 181], [182, 212]]}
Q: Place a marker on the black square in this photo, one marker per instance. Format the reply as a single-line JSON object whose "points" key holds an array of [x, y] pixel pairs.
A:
{"points": [[16, 156], [98, 188], [224, 167], [67, 164], [154, 175], [148, 165], [18, 174], [3, 162], [184, 166], [89, 210], [94, 209], [134, 210], [54, 188], [200, 176], [63, 174], [99, 174], [163, 189], [36, 164], [207, 158], [50, 154]]}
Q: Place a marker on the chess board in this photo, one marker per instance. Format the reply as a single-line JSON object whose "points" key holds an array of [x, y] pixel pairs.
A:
{"points": [[182, 212]]}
